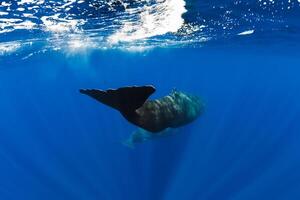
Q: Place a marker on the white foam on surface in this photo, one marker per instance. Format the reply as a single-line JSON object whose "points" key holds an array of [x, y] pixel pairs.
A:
{"points": [[12, 20], [9, 25], [10, 47], [68, 3], [25, 1], [3, 13], [248, 32], [5, 4], [58, 25], [157, 19], [29, 15], [30, 2], [29, 25], [129, 25], [20, 9]]}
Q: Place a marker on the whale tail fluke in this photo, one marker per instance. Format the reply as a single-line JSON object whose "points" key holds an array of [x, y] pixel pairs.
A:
{"points": [[125, 99]]}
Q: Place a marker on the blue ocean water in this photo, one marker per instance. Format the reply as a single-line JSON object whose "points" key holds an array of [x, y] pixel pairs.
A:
{"points": [[241, 57]]}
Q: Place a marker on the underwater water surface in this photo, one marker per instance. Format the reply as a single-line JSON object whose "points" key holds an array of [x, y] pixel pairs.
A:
{"points": [[240, 57]]}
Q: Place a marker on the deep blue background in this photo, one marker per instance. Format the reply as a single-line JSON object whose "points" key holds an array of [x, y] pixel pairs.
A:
{"points": [[58, 144]]}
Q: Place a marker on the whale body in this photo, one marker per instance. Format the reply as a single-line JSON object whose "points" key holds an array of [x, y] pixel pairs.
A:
{"points": [[172, 111]]}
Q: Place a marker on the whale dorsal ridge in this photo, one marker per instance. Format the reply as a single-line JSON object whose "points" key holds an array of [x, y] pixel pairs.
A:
{"points": [[124, 99]]}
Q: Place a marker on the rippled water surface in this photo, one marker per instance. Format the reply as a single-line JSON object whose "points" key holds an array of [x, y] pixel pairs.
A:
{"points": [[140, 24]]}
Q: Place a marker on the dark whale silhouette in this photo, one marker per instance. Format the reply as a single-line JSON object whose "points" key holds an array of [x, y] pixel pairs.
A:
{"points": [[174, 110]]}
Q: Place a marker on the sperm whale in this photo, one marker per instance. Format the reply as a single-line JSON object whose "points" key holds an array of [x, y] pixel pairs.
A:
{"points": [[171, 111]]}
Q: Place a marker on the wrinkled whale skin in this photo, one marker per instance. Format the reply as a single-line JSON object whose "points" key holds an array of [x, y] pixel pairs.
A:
{"points": [[172, 111]]}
